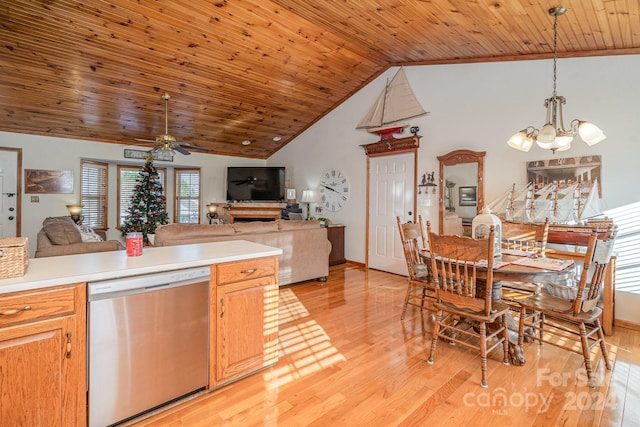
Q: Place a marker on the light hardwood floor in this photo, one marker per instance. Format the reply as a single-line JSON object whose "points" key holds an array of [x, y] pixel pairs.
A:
{"points": [[346, 359]]}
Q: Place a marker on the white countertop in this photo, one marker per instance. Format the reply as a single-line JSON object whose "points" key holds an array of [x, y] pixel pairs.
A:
{"points": [[60, 270]]}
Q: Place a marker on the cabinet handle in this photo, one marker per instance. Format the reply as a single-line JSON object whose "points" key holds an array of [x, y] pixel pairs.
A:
{"points": [[221, 307], [253, 270], [15, 311], [68, 354]]}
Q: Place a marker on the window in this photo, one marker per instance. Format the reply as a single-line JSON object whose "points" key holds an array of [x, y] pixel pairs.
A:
{"points": [[93, 193], [187, 193], [627, 247], [127, 176]]}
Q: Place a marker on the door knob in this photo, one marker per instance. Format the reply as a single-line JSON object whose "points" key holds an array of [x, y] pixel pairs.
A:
{"points": [[11, 209], [11, 218]]}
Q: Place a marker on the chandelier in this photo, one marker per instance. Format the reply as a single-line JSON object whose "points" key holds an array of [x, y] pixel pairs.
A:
{"points": [[553, 135]]}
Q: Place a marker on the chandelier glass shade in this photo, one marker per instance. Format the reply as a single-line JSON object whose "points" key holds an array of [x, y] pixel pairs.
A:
{"points": [[553, 135]]}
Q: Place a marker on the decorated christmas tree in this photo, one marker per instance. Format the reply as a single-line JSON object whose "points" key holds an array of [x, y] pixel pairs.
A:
{"points": [[148, 206]]}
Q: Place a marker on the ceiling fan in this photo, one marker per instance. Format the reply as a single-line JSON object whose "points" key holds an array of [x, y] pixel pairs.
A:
{"points": [[167, 142]]}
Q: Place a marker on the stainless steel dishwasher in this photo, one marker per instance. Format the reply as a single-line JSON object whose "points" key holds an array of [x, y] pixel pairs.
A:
{"points": [[148, 342]]}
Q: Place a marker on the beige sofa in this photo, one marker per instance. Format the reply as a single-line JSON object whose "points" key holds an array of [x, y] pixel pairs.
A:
{"points": [[61, 236], [304, 243]]}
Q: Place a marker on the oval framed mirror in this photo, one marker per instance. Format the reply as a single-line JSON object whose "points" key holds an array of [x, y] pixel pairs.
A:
{"points": [[461, 189]]}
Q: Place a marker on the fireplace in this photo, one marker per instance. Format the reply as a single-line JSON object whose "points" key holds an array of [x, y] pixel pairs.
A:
{"points": [[244, 212]]}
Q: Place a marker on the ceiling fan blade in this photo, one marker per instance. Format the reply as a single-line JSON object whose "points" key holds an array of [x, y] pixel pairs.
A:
{"points": [[180, 150], [193, 147]]}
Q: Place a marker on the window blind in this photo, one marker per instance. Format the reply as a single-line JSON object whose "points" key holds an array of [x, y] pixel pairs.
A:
{"points": [[187, 191], [93, 193]]}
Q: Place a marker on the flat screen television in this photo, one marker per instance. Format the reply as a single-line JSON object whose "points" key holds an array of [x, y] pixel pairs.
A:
{"points": [[255, 183]]}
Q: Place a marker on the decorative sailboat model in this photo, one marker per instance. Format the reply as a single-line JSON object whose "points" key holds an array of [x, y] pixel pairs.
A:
{"points": [[570, 204], [396, 104]]}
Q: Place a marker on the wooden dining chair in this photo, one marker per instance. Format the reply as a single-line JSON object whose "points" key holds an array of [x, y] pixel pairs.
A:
{"points": [[529, 237], [570, 313], [465, 309], [420, 287], [525, 236]]}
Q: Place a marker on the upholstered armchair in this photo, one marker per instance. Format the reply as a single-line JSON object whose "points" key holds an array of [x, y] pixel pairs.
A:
{"points": [[61, 236]]}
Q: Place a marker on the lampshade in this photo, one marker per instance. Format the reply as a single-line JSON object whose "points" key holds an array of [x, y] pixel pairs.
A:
{"points": [[74, 209], [211, 207], [553, 135], [307, 196], [481, 225], [590, 133], [521, 141]]}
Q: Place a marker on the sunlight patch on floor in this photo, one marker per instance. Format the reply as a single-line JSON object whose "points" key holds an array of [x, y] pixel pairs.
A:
{"points": [[304, 347]]}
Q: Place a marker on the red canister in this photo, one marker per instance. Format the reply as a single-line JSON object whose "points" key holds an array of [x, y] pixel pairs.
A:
{"points": [[134, 243]]}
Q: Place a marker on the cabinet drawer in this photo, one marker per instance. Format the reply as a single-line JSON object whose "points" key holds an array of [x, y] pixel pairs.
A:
{"points": [[243, 270], [34, 305]]}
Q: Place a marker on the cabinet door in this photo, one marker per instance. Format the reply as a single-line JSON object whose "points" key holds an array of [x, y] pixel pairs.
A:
{"points": [[38, 363], [336, 237], [246, 327]]}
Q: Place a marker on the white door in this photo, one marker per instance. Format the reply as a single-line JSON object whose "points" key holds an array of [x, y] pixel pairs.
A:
{"points": [[8, 193], [391, 194]]}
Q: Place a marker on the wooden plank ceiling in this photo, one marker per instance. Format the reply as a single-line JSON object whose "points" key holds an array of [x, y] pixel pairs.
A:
{"points": [[254, 69]]}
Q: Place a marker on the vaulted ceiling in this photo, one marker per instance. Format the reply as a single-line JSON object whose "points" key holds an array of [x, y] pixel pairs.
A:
{"points": [[252, 70]]}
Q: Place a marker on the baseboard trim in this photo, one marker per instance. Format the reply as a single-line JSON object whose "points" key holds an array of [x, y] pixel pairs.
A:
{"points": [[627, 324]]}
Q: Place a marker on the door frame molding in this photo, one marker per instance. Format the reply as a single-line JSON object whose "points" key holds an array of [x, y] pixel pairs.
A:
{"points": [[18, 188], [388, 148]]}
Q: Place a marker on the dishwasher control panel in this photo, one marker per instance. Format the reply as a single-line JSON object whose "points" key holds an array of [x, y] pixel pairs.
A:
{"points": [[149, 281]]}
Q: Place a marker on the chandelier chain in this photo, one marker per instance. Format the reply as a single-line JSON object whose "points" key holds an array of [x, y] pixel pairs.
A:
{"points": [[555, 51]]}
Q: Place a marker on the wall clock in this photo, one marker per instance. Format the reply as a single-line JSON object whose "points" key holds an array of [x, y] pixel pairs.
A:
{"points": [[334, 190]]}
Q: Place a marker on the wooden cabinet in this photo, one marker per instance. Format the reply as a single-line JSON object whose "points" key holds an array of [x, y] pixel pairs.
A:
{"points": [[244, 318], [335, 234], [42, 357]]}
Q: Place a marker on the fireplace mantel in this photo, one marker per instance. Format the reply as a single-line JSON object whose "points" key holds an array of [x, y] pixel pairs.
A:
{"points": [[247, 211]]}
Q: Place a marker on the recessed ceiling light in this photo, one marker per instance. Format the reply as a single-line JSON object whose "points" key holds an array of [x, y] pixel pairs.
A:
{"points": [[277, 138], [246, 142]]}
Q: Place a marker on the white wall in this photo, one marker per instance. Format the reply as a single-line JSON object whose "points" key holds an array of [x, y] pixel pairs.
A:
{"points": [[41, 152], [478, 107]]}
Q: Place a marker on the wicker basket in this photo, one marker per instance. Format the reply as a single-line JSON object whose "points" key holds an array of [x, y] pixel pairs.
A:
{"points": [[14, 257]]}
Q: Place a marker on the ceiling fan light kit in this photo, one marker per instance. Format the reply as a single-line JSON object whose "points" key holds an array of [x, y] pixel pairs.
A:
{"points": [[166, 143], [553, 135]]}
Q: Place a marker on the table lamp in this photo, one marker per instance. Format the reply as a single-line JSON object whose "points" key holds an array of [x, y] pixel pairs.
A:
{"points": [[75, 211], [307, 197], [212, 214]]}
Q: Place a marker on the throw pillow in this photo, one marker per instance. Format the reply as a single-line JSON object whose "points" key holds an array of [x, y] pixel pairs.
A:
{"points": [[88, 235], [61, 230]]}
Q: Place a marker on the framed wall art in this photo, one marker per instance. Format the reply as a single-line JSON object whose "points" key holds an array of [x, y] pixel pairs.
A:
{"points": [[160, 155], [565, 171], [42, 181], [468, 196]]}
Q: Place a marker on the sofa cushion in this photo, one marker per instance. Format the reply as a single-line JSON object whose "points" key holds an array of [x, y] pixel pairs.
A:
{"points": [[62, 230], [255, 227], [194, 231], [298, 225]]}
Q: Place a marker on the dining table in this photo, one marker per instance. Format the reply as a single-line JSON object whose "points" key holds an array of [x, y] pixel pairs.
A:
{"points": [[523, 267]]}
